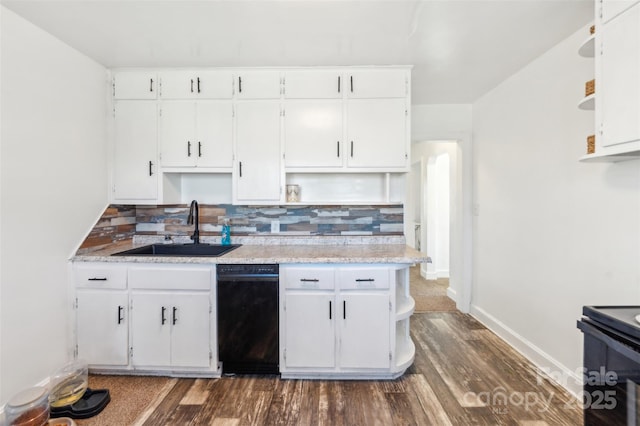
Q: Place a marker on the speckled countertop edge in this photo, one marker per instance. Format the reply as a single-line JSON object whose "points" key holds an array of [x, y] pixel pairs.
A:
{"points": [[384, 249]]}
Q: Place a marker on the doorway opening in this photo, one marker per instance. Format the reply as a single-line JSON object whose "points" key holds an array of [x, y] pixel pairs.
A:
{"points": [[432, 210]]}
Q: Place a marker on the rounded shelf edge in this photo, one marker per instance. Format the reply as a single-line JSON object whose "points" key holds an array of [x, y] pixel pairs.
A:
{"points": [[405, 354], [587, 49], [405, 308], [588, 103]]}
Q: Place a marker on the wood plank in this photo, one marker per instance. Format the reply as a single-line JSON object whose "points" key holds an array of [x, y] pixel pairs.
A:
{"points": [[429, 402], [285, 404], [162, 414], [198, 393]]}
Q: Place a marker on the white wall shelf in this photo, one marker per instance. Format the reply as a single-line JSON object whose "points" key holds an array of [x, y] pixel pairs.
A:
{"points": [[610, 158], [587, 49], [588, 103]]}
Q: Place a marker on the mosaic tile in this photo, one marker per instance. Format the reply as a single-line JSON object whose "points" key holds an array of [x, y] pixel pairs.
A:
{"points": [[120, 222]]}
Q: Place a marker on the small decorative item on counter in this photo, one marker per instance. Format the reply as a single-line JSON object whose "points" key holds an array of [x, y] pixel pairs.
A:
{"points": [[28, 408], [293, 193], [590, 87], [591, 144], [226, 233]]}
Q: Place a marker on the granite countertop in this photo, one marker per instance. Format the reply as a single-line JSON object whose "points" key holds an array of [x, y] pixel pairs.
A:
{"points": [[301, 251]]}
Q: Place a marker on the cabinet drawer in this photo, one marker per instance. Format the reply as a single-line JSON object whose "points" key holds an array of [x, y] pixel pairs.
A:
{"points": [[363, 278], [100, 275], [170, 277], [309, 278]]}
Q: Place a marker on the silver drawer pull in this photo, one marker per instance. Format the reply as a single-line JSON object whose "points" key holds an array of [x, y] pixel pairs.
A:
{"points": [[360, 280], [96, 279], [309, 280]]}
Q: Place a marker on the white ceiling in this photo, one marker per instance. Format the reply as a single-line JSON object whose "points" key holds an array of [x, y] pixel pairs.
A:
{"points": [[460, 49]]}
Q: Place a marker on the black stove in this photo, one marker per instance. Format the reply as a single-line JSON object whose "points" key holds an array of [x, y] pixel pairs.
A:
{"points": [[611, 365]]}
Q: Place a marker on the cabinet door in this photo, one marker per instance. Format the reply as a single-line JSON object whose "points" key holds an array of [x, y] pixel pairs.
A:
{"points": [[214, 141], [151, 329], [215, 84], [257, 173], [190, 321], [313, 134], [258, 85], [611, 8], [135, 85], [619, 82], [310, 330], [313, 84], [135, 151], [178, 145], [102, 327], [196, 84], [377, 83], [364, 330], [377, 133]]}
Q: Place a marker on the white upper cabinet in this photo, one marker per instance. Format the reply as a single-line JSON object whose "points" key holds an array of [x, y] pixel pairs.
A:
{"points": [[257, 174], [196, 85], [135, 163], [261, 125], [611, 8], [313, 134], [196, 134], [258, 84], [377, 83], [313, 84], [619, 82], [215, 134], [135, 85], [377, 133]]}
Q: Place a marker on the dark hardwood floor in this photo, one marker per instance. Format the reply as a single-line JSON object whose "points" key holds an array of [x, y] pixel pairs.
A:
{"points": [[463, 375]]}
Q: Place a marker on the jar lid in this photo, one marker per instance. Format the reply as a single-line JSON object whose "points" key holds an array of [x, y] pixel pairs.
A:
{"points": [[27, 398]]}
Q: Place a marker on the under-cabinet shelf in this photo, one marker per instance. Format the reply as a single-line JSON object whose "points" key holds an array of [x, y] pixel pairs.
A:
{"points": [[588, 103], [405, 348], [587, 49], [405, 307], [610, 158]]}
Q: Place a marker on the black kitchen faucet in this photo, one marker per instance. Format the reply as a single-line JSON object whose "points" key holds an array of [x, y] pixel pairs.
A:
{"points": [[194, 219]]}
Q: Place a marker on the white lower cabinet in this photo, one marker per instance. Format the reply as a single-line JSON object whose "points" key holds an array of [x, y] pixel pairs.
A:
{"points": [[103, 326], [170, 329], [364, 331], [340, 321], [146, 318], [310, 332]]}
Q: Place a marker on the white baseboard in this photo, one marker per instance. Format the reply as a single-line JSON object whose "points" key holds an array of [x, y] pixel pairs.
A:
{"points": [[443, 273], [548, 366], [452, 294]]}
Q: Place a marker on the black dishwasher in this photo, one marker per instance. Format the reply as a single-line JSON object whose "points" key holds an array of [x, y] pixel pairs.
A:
{"points": [[248, 323]]}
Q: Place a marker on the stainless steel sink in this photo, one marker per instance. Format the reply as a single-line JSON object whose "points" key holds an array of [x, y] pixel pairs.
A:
{"points": [[185, 250]]}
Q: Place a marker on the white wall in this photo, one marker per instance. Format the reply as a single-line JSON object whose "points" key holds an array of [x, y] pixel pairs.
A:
{"points": [[551, 234], [54, 186]]}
